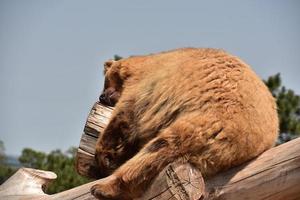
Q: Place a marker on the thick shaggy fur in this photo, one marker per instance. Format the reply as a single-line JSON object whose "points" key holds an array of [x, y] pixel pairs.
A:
{"points": [[202, 106]]}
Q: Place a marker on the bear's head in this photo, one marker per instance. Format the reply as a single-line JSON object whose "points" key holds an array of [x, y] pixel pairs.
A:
{"points": [[111, 150], [115, 75]]}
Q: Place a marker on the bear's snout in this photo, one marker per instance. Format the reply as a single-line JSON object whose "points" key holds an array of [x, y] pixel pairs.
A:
{"points": [[102, 99], [109, 97]]}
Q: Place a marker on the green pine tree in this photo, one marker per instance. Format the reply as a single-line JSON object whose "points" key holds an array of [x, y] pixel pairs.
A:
{"points": [[5, 170], [117, 57], [288, 105]]}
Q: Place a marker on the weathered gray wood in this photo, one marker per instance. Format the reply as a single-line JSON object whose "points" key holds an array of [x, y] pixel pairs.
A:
{"points": [[95, 124], [26, 183], [274, 175], [88, 143], [97, 119]]}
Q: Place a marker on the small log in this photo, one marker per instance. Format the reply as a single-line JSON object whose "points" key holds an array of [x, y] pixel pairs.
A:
{"points": [[95, 124], [26, 183]]}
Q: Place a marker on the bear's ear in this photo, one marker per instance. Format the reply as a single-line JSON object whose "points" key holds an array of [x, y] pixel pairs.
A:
{"points": [[107, 65], [116, 72]]}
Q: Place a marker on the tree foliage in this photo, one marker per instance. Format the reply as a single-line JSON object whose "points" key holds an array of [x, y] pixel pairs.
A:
{"points": [[2, 151], [288, 105], [117, 57], [5, 170]]}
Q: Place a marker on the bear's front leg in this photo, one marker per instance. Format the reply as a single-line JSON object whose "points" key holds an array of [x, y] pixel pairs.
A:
{"points": [[113, 147], [131, 179]]}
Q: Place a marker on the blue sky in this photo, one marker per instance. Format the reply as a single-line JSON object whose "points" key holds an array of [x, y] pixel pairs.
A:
{"points": [[51, 53]]}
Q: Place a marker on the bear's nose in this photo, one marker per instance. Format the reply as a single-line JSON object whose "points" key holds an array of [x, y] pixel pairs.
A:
{"points": [[102, 99], [108, 97]]}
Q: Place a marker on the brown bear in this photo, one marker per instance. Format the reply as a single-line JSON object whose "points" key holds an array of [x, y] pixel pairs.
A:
{"points": [[202, 106]]}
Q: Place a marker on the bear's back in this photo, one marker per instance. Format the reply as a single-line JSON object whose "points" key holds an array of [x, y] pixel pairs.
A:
{"points": [[204, 82]]}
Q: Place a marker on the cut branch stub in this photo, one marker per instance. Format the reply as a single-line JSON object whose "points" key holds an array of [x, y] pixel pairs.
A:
{"points": [[97, 120], [25, 183]]}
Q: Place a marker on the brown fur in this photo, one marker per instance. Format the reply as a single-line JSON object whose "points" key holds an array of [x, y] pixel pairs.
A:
{"points": [[202, 106]]}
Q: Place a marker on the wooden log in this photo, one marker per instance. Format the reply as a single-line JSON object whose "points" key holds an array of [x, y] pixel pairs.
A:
{"points": [[97, 119], [274, 175], [95, 124]]}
